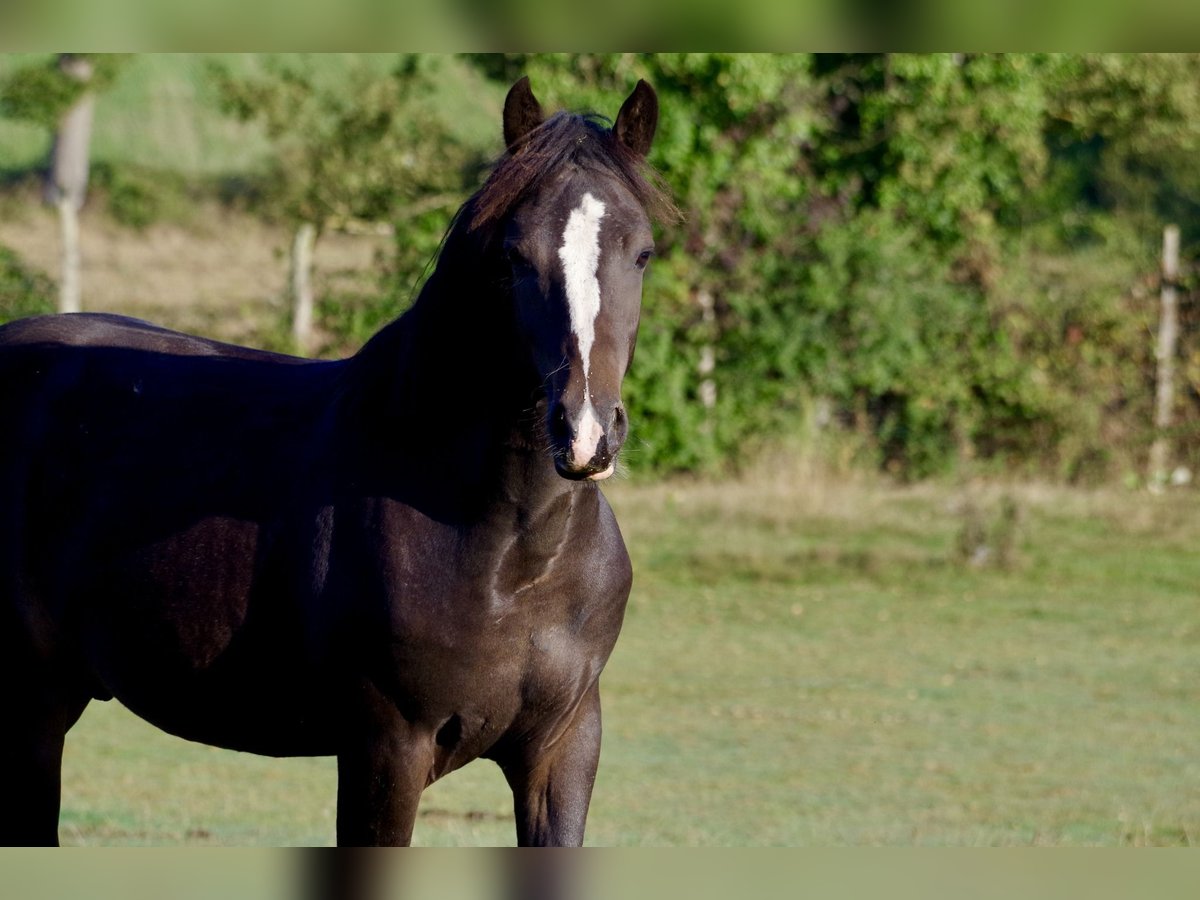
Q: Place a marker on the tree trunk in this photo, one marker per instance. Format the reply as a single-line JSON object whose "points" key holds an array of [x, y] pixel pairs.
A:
{"points": [[68, 178], [302, 290]]}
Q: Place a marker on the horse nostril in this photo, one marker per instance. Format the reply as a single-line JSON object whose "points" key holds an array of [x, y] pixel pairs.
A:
{"points": [[560, 430], [619, 425]]}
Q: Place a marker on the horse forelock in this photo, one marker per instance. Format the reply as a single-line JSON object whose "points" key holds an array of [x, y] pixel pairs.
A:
{"points": [[581, 139]]}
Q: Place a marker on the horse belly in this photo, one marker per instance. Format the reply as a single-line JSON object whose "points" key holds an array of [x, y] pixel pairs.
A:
{"points": [[199, 637]]}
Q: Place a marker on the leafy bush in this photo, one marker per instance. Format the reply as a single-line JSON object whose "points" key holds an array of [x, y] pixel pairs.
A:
{"points": [[41, 92], [23, 292], [949, 256], [138, 197]]}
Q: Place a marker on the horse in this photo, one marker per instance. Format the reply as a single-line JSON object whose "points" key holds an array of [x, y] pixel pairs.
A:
{"points": [[402, 558]]}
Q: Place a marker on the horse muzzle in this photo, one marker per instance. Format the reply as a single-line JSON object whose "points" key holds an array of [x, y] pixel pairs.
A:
{"points": [[586, 444]]}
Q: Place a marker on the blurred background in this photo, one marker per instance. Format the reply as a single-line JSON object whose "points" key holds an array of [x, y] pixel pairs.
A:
{"points": [[915, 414]]}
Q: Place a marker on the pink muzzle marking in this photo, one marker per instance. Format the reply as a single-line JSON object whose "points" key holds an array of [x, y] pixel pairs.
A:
{"points": [[587, 438]]}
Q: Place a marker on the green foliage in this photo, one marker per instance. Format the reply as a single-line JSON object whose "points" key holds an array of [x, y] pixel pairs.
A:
{"points": [[349, 319], [22, 292], [370, 146], [955, 139], [138, 197], [38, 94], [363, 147], [1125, 131], [903, 358], [1079, 325], [41, 92], [949, 252]]}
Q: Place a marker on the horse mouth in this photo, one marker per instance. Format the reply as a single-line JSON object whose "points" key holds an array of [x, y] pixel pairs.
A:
{"points": [[587, 473], [569, 450]]}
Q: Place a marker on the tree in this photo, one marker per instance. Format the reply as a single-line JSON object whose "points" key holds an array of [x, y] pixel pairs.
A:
{"points": [[61, 95], [365, 151]]}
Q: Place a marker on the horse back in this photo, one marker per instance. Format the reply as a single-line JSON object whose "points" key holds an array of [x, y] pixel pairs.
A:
{"points": [[106, 403], [103, 330]]}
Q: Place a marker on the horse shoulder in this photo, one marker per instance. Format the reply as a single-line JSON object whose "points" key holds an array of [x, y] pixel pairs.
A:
{"points": [[606, 565], [581, 611]]}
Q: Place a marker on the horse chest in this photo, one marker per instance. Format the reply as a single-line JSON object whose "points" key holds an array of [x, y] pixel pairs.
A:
{"points": [[521, 621], [477, 637]]}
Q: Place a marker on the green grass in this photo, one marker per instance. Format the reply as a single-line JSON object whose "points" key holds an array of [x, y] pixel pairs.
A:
{"points": [[808, 663]]}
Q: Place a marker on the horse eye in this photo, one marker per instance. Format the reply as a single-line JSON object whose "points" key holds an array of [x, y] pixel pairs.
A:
{"points": [[644, 258], [514, 255]]}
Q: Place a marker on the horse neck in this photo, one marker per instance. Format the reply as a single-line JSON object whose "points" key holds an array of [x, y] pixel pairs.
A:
{"points": [[447, 396], [458, 358]]}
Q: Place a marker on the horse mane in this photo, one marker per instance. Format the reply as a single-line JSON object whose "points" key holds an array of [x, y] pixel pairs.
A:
{"points": [[582, 139]]}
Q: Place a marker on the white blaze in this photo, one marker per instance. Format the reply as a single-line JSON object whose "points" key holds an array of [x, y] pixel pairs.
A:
{"points": [[580, 255]]}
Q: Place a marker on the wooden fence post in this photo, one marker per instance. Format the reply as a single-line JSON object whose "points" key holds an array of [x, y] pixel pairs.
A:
{"points": [[1168, 336], [708, 353], [302, 288]]}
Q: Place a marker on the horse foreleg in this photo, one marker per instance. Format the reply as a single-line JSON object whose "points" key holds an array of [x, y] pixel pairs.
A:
{"points": [[552, 785], [381, 774], [36, 723]]}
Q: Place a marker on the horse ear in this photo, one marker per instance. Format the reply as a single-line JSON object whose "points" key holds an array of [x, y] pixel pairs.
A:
{"points": [[638, 119], [522, 112]]}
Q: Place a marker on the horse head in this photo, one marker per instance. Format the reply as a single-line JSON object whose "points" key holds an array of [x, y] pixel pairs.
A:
{"points": [[576, 242]]}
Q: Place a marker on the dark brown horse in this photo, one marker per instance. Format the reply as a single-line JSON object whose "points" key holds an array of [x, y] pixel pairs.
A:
{"points": [[402, 559]]}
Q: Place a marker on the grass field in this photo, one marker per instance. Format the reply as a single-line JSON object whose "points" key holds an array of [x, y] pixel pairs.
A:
{"points": [[808, 661]]}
